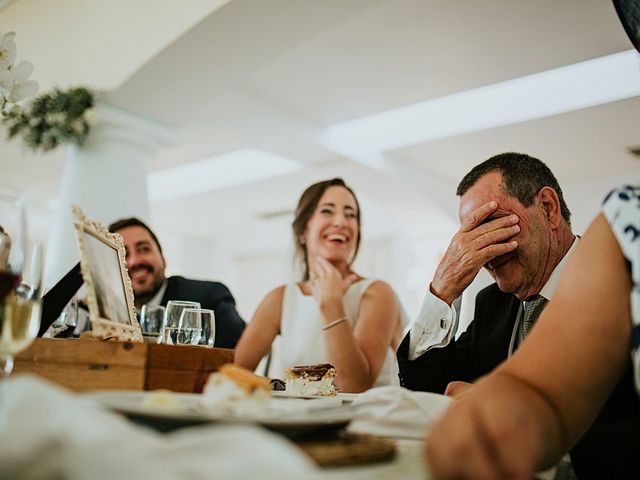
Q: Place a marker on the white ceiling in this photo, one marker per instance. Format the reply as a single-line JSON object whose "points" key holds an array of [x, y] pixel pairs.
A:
{"points": [[274, 74]]}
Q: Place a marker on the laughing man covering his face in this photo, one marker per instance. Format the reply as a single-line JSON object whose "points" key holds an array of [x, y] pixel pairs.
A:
{"points": [[515, 224]]}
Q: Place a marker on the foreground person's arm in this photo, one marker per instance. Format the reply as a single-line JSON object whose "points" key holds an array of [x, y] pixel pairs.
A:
{"points": [[535, 406]]}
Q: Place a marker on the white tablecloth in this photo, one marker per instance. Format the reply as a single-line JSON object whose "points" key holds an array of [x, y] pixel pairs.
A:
{"points": [[47, 432]]}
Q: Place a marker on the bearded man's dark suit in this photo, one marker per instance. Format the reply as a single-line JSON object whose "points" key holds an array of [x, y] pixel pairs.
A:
{"points": [[610, 447], [214, 296]]}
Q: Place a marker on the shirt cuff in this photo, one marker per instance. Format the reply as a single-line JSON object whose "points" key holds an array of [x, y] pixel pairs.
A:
{"points": [[434, 327]]}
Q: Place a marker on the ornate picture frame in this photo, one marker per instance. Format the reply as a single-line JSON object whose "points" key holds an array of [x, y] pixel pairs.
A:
{"points": [[109, 290]]}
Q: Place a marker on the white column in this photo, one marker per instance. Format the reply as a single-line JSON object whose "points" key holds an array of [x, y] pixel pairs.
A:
{"points": [[106, 177]]}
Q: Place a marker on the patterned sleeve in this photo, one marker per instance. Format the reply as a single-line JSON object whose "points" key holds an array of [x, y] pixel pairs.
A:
{"points": [[622, 210]]}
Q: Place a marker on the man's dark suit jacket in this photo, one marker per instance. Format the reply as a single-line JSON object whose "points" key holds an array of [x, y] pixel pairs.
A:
{"points": [[610, 447], [214, 296], [477, 351]]}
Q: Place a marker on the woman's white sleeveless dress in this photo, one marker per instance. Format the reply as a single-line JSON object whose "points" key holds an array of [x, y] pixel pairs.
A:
{"points": [[302, 338]]}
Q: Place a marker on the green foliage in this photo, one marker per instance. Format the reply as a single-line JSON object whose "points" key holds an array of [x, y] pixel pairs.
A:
{"points": [[52, 119]]}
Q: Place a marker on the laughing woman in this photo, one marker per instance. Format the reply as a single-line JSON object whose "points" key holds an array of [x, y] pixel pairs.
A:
{"points": [[333, 315]]}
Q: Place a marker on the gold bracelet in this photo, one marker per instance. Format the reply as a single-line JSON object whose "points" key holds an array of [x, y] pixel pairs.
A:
{"points": [[334, 323]]}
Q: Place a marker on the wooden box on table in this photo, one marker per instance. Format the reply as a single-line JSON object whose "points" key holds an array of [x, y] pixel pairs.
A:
{"points": [[83, 365]]}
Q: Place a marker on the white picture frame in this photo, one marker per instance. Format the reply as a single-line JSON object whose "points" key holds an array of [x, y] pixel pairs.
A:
{"points": [[109, 291]]}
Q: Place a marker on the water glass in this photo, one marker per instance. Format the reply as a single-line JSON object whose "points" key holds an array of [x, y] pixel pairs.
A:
{"points": [[151, 320], [208, 323], [190, 328], [171, 321]]}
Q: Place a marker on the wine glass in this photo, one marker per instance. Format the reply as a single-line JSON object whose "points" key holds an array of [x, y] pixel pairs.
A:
{"points": [[20, 282], [172, 319], [190, 328], [207, 318], [151, 319]]}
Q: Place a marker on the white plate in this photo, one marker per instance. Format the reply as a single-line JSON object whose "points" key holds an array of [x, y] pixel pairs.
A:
{"points": [[289, 421], [344, 397]]}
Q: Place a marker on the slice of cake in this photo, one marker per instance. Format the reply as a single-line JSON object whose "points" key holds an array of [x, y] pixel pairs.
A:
{"points": [[307, 380], [236, 390]]}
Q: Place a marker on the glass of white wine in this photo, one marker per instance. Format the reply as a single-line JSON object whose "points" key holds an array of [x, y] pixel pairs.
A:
{"points": [[20, 282]]}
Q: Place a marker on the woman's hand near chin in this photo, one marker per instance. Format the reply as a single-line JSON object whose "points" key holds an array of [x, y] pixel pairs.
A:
{"points": [[327, 285]]}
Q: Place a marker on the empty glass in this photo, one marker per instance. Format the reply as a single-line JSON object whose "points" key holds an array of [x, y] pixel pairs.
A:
{"points": [[65, 325], [171, 321], [151, 321], [190, 328]]}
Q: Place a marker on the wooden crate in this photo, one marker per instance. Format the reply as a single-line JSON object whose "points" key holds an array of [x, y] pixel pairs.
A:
{"points": [[182, 368], [84, 365]]}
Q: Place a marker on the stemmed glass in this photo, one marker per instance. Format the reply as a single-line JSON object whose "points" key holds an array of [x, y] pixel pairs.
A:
{"points": [[20, 282], [171, 322], [151, 319]]}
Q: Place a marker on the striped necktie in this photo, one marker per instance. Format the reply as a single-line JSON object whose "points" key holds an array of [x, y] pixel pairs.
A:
{"points": [[532, 310]]}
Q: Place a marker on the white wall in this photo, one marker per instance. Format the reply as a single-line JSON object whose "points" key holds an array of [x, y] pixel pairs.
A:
{"points": [[252, 273]]}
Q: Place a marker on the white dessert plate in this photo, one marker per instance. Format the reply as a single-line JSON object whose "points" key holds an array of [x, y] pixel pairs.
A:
{"points": [[344, 397], [187, 412]]}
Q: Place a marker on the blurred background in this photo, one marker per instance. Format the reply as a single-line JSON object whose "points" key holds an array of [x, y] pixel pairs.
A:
{"points": [[258, 99]]}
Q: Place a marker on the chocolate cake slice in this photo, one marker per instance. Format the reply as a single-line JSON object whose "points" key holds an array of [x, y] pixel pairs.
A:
{"points": [[309, 380]]}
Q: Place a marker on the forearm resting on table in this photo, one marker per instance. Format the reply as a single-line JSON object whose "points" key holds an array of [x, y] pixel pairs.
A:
{"points": [[554, 437], [356, 365], [502, 427], [352, 366]]}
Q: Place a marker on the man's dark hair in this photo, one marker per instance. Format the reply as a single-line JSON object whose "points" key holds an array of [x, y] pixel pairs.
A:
{"points": [[629, 13], [523, 177], [134, 222]]}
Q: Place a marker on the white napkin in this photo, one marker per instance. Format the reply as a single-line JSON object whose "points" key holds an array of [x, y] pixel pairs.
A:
{"points": [[393, 411], [47, 432]]}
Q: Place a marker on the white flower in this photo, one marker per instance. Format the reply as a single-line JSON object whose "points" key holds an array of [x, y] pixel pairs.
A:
{"points": [[22, 71], [14, 83], [6, 78], [14, 79], [45, 123], [7, 49]]}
